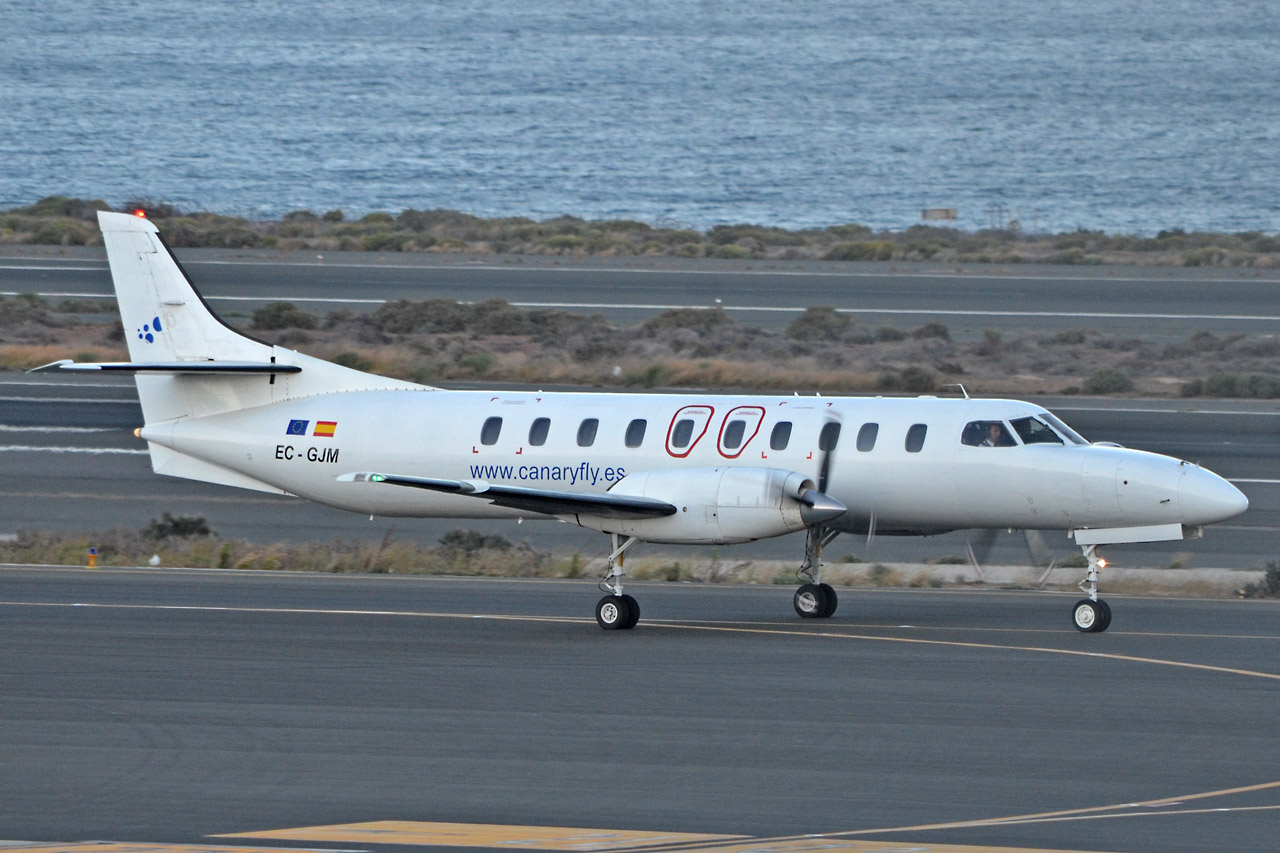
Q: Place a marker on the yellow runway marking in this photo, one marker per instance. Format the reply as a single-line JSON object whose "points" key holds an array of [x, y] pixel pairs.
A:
{"points": [[826, 844], [565, 838], [1096, 811], [126, 847], [838, 635], [486, 835]]}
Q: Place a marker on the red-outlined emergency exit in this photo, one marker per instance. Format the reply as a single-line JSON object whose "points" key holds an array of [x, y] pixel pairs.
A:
{"points": [[740, 425], [688, 426]]}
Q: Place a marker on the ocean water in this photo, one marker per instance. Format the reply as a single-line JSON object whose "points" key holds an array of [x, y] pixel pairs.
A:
{"points": [[1126, 117]]}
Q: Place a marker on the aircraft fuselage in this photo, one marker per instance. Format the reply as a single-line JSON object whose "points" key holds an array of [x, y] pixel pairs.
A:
{"points": [[932, 483]]}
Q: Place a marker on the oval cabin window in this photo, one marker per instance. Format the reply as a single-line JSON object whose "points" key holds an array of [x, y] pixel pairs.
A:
{"points": [[490, 431]]}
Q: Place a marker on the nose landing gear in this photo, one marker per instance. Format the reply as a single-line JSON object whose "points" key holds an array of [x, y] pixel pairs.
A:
{"points": [[1091, 615]]}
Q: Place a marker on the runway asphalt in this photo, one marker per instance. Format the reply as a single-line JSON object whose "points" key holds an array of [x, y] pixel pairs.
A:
{"points": [[187, 709], [1165, 303], [183, 707]]}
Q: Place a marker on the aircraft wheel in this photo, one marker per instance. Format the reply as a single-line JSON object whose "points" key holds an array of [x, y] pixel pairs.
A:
{"points": [[832, 599], [1105, 613], [1088, 616], [612, 612], [633, 611], [810, 601]]}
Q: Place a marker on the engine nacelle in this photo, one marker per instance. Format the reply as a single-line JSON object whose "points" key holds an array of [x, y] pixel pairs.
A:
{"points": [[714, 506]]}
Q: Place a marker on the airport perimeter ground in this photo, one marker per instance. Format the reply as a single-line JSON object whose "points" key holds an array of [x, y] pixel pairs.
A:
{"points": [[191, 707]]}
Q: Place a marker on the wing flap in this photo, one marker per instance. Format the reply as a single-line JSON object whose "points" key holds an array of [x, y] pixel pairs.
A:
{"points": [[544, 501]]}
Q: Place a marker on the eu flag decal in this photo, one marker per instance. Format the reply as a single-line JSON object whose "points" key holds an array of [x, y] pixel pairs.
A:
{"points": [[297, 428]]}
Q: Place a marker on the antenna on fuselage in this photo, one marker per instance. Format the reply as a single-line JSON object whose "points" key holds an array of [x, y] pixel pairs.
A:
{"points": [[957, 385]]}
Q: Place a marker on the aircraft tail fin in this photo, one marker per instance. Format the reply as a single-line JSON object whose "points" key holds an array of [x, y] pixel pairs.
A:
{"points": [[187, 361], [165, 318]]}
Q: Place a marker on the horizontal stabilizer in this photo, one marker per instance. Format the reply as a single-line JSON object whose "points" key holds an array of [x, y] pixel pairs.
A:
{"points": [[205, 368], [542, 501]]}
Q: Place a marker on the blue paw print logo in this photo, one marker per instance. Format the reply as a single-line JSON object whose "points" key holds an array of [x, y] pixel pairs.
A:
{"points": [[146, 331]]}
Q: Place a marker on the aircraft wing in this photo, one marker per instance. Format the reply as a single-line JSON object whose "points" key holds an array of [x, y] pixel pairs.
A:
{"points": [[544, 501]]}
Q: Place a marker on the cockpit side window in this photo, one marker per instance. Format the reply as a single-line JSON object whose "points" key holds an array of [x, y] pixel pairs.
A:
{"points": [[1032, 431], [987, 434]]}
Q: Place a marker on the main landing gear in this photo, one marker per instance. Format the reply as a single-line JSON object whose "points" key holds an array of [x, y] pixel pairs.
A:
{"points": [[1091, 615], [617, 611], [815, 599]]}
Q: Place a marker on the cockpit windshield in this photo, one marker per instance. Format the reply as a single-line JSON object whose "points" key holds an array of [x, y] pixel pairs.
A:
{"points": [[1032, 431], [1063, 430]]}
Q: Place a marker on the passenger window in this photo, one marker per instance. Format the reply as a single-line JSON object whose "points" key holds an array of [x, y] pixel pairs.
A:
{"points": [[587, 432], [915, 437], [490, 431], [635, 432], [682, 433], [829, 437], [867, 437], [781, 435], [987, 434], [1031, 431], [733, 434], [538, 431]]}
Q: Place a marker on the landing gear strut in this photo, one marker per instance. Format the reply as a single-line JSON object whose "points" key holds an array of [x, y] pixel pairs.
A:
{"points": [[1091, 615], [617, 611], [815, 599]]}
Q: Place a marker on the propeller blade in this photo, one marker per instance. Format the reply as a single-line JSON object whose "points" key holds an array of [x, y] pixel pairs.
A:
{"points": [[982, 544], [1041, 553], [827, 441]]}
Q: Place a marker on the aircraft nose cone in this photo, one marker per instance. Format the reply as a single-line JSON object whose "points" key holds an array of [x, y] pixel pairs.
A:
{"points": [[817, 507], [1206, 498]]}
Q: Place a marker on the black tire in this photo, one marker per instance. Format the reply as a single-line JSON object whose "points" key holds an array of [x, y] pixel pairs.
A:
{"points": [[1105, 622], [810, 601], [832, 600], [612, 612], [1086, 616], [633, 612]]}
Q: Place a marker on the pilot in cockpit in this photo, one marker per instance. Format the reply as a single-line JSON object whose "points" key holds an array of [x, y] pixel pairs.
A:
{"points": [[995, 436], [987, 434]]}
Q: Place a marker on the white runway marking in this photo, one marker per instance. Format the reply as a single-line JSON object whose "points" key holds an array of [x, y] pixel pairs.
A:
{"points": [[971, 274], [117, 401], [52, 268], [22, 448], [770, 309], [7, 428], [48, 293], [98, 384]]}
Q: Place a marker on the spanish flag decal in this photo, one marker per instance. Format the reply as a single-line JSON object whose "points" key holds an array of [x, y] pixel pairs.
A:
{"points": [[324, 429]]}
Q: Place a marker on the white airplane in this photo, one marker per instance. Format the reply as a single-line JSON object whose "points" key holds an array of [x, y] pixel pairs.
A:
{"points": [[222, 407]]}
